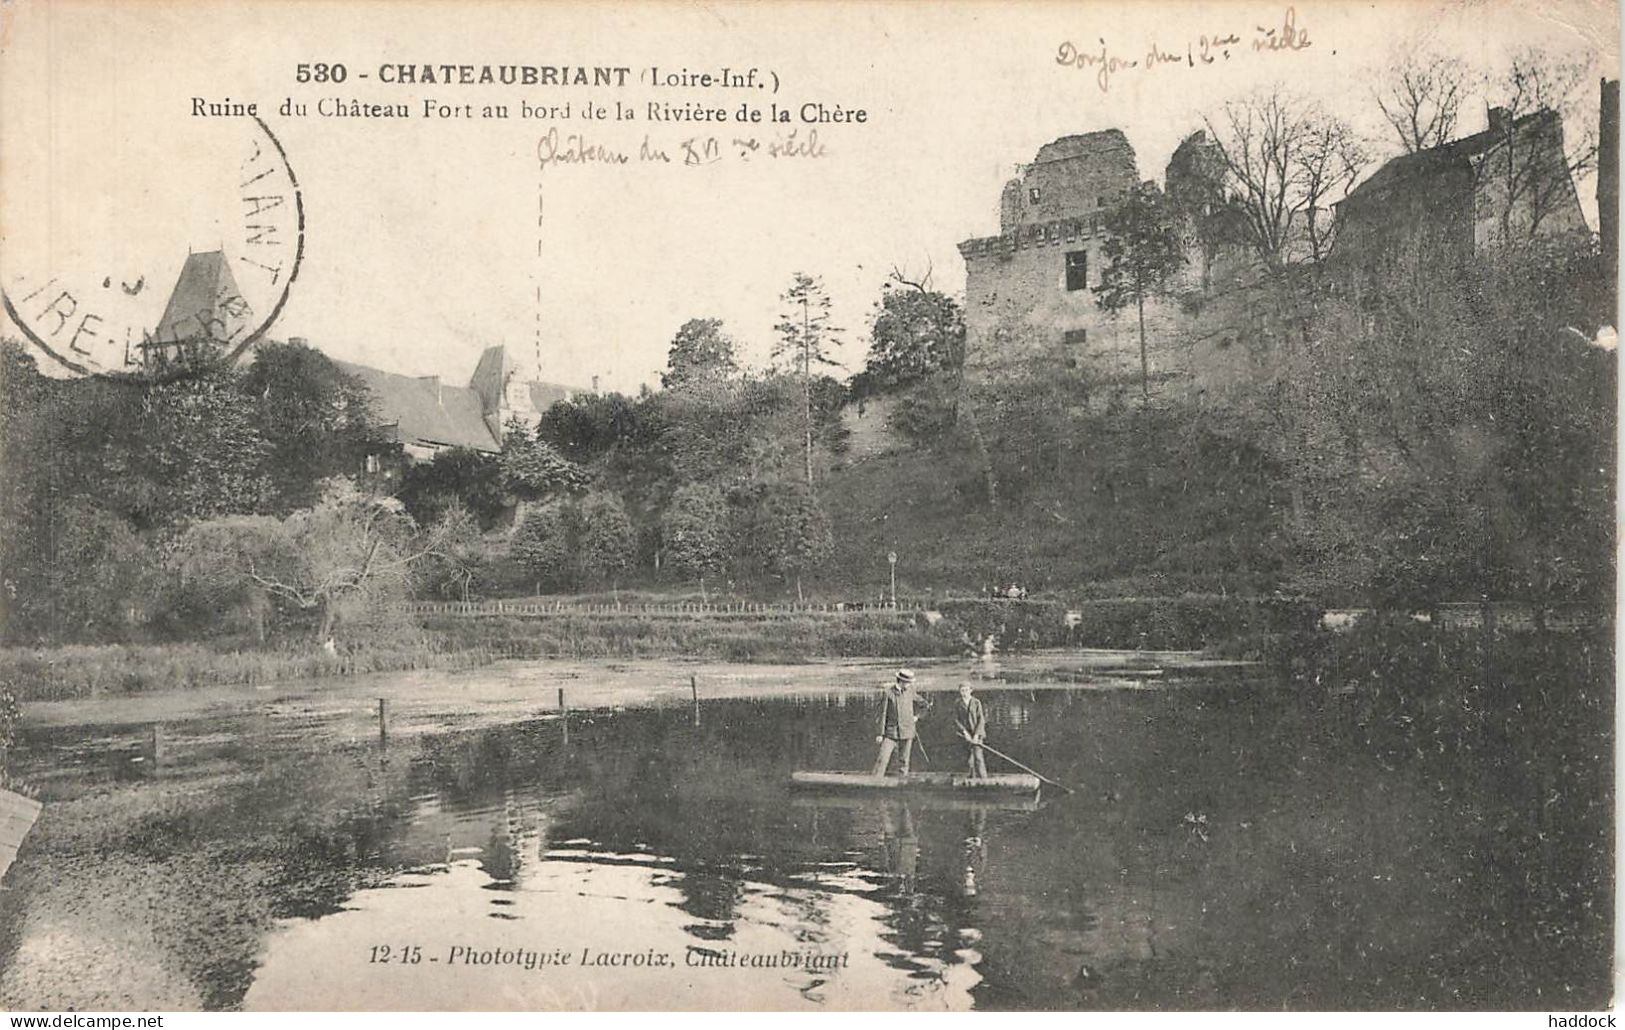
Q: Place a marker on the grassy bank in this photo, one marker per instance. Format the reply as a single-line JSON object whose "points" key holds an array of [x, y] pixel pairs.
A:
{"points": [[454, 642], [79, 671], [739, 639]]}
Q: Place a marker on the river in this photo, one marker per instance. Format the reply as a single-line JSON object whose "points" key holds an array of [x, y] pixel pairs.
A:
{"points": [[1226, 846]]}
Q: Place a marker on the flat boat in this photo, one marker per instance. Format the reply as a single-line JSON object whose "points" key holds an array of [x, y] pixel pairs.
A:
{"points": [[1003, 784]]}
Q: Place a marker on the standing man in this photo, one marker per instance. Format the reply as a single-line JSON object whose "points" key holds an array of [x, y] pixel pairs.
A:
{"points": [[970, 719], [897, 721]]}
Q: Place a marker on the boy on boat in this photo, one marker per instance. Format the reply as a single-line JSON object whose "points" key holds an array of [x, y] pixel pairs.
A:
{"points": [[897, 721], [970, 719]]}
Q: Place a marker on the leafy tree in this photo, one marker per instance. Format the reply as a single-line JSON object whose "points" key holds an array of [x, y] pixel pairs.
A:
{"points": [[315, 418], [608, 540], [158, 453], [218, 570], [829, 399], [541, 544], [28, 473], [1143, 248], [626, 441], [694, 530], [805, 340], [203, 449], [927, 414], [916, 333], [594, 427], [725, 431], [1468, 452], [700, 353], [458, 477], [98, 577], [532, 470], [799, 536]]}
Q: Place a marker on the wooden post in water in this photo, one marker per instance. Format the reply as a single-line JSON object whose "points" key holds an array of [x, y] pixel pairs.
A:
{"points": [[564, 718], [694, 691], [383, 729], [155, 748]]}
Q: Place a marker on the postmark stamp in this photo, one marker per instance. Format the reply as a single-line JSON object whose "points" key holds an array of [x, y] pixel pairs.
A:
{"points": [[159, 255]]}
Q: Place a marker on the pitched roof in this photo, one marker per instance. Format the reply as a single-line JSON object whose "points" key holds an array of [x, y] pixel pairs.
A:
{"points": [[205, 302], [545, 395], [1426, 164], [426, 411], [496, 371]]}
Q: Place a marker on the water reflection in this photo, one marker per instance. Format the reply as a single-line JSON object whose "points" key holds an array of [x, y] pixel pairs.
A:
{"points": [[645, 833], [1226, 849]]}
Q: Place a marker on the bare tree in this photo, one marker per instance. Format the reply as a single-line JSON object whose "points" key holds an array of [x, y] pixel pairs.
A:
{"points": [[1420, 96], [1286, 160], [349, 548], [1546, 125]]}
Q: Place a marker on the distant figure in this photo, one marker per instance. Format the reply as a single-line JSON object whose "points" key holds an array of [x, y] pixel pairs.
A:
{"points": [[897, 720], [970, 719]]}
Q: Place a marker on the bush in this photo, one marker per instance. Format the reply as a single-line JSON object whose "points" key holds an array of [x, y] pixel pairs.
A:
{"points": [[1188, 622], [8, 721], [1016, 624], [1412, 689], [541, 545]]}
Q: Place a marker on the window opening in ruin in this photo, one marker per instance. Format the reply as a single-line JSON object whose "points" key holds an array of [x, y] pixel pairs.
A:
{"points": [[1075, 337], [1032, 194], [1077, 270]]}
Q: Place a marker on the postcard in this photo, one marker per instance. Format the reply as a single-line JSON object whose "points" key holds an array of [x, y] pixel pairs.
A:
{"points": [[728, 506]]}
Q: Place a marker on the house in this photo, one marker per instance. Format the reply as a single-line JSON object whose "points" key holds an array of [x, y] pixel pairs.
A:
{"points": [[1508, 183], [426, 415], [206, 314]]}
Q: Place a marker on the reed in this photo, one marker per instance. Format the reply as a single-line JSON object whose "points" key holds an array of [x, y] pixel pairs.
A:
{"points": [[80, 671]]}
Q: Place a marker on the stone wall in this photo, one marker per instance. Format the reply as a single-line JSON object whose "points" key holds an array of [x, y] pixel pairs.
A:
{"points": [[1019, 312], [1073, 176], [1524, 187]]}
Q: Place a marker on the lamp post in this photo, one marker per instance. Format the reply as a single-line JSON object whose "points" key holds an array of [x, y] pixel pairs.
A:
{"points": [[891, 559]]}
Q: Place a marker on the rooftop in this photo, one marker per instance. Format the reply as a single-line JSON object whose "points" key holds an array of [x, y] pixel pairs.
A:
{"points": [[427, 410], [1457, 154]]}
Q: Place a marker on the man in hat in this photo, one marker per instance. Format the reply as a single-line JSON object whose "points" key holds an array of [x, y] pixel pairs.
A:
{"points": [[897, 720]]}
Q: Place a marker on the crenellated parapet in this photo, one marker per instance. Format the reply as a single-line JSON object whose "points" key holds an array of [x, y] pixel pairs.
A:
{"points": [[1055, 232]]}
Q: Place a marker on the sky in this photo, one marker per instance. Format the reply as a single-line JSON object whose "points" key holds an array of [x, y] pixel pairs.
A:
{"points": [[427, 240]]}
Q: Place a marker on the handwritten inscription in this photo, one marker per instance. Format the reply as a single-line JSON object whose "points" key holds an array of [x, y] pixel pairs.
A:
{"points": [[576, 148], [1104, 64]]}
